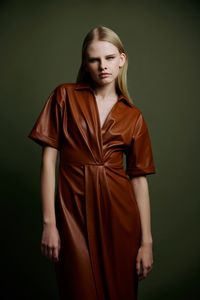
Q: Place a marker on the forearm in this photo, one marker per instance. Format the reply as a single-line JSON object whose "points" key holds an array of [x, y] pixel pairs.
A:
{"points": [[47, 189], [140, 186]]}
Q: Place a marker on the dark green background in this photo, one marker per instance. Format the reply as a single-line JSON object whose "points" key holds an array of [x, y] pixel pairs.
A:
{"points": [[40, 48]]}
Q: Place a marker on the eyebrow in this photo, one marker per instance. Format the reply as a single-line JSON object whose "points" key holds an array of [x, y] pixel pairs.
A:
{"points": [[91, 57]]}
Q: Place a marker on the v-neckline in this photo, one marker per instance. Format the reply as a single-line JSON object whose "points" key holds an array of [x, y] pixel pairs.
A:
{"points": [[101, 128]]}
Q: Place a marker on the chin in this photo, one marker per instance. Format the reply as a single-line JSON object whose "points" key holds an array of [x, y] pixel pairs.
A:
{"points": [[105, 81]]}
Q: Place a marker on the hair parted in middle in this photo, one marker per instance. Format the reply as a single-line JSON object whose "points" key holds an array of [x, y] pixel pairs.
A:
{"points": [[102, 33]]}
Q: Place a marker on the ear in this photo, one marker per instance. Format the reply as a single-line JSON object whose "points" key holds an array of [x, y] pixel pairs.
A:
{"points": [[122, 59]]}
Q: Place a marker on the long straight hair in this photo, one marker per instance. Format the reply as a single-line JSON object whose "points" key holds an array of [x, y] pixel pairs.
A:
{"points": [[102, 33]]}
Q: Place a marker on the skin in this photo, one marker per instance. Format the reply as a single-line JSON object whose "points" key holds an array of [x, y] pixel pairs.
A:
{"points": [[101, 57]]}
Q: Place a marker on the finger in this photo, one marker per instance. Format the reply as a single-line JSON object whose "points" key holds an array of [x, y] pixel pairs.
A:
{"points": [[44, 248], [59, 245], [138, 266], [55, 254], [146, 270], [49, 252], [149, 268]]}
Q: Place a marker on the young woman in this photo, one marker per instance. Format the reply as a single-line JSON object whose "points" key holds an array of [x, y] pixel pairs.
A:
{"points": [[98, 231]]}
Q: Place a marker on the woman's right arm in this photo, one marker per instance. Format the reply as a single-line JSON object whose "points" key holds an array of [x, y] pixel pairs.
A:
{"points": [[50, 243]]}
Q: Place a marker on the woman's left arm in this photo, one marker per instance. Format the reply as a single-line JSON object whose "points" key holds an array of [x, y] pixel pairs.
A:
{"points": [[144, 260]]}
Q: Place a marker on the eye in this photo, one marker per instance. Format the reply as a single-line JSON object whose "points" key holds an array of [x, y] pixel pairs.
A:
{"points": [[110, 57]]}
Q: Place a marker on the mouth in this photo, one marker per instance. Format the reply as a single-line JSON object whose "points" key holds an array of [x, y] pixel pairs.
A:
{"points": [[104, 74]]}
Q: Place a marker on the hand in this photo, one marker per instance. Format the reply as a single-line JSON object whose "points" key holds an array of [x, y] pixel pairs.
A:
{"points": [[144, 261], [50, 243]]}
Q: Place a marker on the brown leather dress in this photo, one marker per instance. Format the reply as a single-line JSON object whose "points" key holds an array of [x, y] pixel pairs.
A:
{"points": [[96, 210]]}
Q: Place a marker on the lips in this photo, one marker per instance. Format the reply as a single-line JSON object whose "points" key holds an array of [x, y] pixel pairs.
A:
{"points": [[104, 74]]}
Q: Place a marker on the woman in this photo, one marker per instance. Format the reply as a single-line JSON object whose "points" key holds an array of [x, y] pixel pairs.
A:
{"points": [[99, 232]]}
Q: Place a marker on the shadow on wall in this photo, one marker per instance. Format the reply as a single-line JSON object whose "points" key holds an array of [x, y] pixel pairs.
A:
{"points": [[25, 273]]}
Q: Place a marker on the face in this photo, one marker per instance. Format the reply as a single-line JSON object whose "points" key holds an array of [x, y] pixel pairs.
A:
{"points": [[103, 62]]}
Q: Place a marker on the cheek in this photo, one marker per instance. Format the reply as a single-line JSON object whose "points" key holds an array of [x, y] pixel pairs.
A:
{"points": [[116, 66], [116, 63]]}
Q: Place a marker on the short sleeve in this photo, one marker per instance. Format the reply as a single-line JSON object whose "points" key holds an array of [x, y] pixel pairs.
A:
{"points": [[139, 156], [47, 128]]}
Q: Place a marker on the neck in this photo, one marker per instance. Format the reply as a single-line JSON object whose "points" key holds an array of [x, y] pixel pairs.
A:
{"points": [[105, 91]]}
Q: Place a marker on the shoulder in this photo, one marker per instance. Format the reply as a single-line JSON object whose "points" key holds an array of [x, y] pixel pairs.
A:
{"points": [[140, 124], [129, 105], [136, 118], [62, 91], [134, 110], [70, 86]]}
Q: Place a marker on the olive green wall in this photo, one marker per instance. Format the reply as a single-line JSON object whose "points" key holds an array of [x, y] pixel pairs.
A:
{"points": [[40, 48]]}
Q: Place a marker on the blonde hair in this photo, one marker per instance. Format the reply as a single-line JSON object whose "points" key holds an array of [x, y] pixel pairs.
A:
{"points": [[102, 33]]}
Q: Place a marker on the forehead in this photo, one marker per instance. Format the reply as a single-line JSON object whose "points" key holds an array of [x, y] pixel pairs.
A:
{"points": [[97, 48]]}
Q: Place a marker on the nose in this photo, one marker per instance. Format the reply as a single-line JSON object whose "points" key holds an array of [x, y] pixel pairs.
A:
{"points": [[102, 64]]}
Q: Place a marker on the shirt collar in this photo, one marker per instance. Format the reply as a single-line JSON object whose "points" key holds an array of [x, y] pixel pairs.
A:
{"points": [[84, 85]]}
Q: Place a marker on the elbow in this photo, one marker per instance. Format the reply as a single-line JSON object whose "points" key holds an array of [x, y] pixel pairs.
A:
{"points": [[139, 182], [49, 156], [139, 179]]}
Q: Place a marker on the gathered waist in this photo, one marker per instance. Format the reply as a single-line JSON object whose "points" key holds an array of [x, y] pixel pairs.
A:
{"points": [[112, 164], [114, 160]]}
